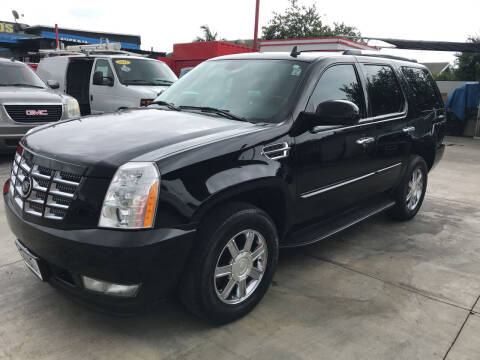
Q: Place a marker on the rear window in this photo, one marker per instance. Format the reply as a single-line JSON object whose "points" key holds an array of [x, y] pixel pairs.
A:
{"points": [[385, 94], [422, 86]]}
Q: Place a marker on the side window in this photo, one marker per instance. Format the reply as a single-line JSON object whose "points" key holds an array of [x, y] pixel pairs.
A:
{"points": [[103, 66], [385, 94], [339, 82], [422, 86]]}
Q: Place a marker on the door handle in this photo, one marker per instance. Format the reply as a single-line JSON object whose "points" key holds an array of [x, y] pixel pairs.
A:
{"points": [[408, 129], [365, 141]]}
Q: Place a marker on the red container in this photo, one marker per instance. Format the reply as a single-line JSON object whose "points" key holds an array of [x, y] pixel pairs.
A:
{"points": [[192, 54]]}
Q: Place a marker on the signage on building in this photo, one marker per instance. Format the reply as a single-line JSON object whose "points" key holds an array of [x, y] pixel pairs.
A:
{"points": [[8, 27]]}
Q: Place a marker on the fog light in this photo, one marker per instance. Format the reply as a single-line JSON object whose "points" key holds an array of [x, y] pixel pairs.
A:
{"points": [[107, 288]]}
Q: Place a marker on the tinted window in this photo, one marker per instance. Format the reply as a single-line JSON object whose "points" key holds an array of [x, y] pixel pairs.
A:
{"points": [[252, 89], [340, 82], [422, 87], [104, 67], [385, 94]]}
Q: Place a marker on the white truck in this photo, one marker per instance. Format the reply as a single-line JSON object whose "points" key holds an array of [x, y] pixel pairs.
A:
{"points": [[107, 81]]}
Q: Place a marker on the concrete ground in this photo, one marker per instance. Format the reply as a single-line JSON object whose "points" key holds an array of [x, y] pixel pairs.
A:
{"points": [[380, 290]]}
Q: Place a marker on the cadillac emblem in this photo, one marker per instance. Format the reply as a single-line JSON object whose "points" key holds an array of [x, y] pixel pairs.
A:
{"points": [[27, 186]]}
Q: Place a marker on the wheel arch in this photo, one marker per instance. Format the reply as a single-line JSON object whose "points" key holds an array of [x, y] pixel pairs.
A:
{"points": [[270, 195]]}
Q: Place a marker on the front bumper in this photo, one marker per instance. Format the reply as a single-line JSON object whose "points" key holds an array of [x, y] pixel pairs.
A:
{"points": [[155, 258]]}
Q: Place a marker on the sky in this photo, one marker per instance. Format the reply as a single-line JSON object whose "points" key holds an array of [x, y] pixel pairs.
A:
{"points": [[163, 23]]}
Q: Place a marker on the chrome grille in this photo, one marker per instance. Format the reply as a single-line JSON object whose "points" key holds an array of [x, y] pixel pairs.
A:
{"points": [[49, 192]]}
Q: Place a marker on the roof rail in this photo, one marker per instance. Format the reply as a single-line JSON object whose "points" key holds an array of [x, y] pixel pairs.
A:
{"points": [[385, 56]]}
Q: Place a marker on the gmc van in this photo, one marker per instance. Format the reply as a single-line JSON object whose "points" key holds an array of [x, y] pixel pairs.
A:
{"points": [[104, 83]]}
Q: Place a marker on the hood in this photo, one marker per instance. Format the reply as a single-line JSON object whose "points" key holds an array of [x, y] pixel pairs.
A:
{"points": [[105, 142], [25, 95], [148, 91]]}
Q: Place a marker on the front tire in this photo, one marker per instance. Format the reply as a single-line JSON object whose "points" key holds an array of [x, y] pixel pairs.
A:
{"points": [[232, 264], [410, 192]]}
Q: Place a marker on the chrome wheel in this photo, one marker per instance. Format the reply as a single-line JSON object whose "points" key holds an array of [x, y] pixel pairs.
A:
{"points": [[415, 189], [240, 266]]}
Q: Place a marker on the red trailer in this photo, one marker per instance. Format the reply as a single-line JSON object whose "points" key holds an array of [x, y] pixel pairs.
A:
{"points": [[192, 54]]}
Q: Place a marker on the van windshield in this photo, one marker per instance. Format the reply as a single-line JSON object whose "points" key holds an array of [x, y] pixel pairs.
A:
{"points": [[255, 90], [19, 75], [143, 72]]}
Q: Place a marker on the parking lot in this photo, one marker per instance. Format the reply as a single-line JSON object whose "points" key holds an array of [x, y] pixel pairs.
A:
{"points": [[380, 290]]}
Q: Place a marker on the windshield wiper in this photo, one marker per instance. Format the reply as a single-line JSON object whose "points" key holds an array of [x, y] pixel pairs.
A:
{"points": [[222, 112], [163, 81], [136, 81], [23, 85], [167, 104]]}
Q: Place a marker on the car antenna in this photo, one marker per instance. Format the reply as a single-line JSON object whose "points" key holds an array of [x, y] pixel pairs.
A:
{"points": [[294, 52]]}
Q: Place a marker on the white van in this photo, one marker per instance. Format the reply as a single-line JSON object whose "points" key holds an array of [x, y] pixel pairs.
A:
{"points": [[107, 82]]}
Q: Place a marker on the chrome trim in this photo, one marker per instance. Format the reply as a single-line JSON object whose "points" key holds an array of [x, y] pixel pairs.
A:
{"points": [[343, 183], [60, 180], [283, 151], [331, 187], [364, 122], [42, 196], [408, 129], [365, 141], [388, 168]]}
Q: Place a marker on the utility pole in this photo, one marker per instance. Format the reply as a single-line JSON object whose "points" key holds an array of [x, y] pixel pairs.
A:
{"points": [[255, 33]]}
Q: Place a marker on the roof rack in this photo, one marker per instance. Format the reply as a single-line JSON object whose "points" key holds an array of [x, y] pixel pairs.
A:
{"points": [[386, 56]]}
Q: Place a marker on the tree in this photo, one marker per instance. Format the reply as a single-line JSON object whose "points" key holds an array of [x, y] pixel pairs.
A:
{"points": [[467, 66], [304, 22], [208, 35]]}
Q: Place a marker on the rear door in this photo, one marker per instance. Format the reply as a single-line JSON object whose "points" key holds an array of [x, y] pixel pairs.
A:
{"points": [[335, 163], [388, 111]]}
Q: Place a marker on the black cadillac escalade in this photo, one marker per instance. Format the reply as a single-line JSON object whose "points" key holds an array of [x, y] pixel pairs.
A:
{"points": [[195, 194]]}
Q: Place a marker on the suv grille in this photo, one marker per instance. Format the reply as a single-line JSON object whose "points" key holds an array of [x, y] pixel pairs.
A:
{"points": [[41, 191], [34, 113]]}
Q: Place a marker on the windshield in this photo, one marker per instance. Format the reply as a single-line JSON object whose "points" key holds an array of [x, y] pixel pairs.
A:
{"points": [[143, 72], [250, 89], [21, 75]]}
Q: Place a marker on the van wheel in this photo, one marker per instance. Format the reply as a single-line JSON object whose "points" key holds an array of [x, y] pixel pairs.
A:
{"points": [[232, 264], [411, 191]]}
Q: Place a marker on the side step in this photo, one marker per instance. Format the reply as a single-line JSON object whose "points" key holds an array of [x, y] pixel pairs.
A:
{"points": [[331, 226]]}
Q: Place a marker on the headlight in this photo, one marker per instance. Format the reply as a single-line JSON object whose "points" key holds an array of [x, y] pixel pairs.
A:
{"points": [[73, 109], [131, 199]]}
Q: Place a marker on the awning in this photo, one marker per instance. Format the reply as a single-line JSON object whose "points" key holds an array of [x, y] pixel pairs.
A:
{"points": [[431, 45]]}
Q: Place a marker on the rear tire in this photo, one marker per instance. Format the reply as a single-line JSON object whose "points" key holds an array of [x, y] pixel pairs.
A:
{"points": [[232, 264], [410, 192]]}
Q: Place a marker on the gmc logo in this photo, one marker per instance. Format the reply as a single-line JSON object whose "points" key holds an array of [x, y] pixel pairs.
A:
{"points": [[36, 112]]}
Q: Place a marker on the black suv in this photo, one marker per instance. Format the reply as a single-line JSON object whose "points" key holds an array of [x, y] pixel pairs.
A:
{"points": [[244, 155]]}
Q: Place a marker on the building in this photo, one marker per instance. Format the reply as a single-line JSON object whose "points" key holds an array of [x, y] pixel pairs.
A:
{"points": [[21, 41], [335, 43]]}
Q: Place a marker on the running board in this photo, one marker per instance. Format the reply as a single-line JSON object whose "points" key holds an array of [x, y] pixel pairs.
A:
{"points": [[329, 227]]}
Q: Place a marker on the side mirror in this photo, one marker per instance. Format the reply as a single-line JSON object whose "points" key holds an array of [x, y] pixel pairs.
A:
{"points": [[337, 112], [53, 84], [97, 78], [108, 81]]}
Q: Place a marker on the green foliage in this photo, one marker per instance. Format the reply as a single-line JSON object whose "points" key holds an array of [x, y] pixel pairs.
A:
{"points": [[304, 22], [208, 35], [467, 66]]}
